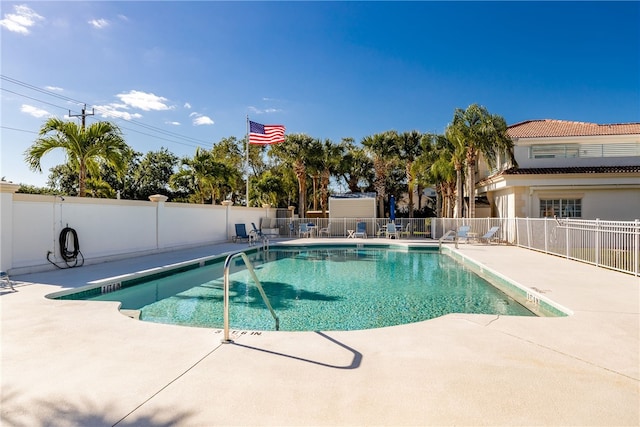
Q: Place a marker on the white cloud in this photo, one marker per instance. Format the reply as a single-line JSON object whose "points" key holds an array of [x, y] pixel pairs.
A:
{"points": [[187, 105], [99, 23], [200, 120], [117, 111], [54, 88], [21, 21], [34, 111], [144, 101], [123, 17], [264, 111], [172, 123]]}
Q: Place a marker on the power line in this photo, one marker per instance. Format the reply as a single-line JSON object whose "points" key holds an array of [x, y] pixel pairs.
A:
{"points": [[33, 99], [18, 130], [105, 112], [121, 127], [132, 130]]}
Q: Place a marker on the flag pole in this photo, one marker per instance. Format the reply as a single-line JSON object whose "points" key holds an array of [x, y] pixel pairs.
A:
{"points": [[246, 163]]}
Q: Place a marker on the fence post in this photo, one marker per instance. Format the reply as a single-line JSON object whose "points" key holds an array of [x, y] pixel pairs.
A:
{"points": [[597, 243], [7, 190], [159, 200], [637, 249], [227, 204], [566, 238]]}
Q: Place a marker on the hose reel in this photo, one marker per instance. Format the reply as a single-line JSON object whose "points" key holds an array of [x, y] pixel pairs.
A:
{"points": [[69, 249]]}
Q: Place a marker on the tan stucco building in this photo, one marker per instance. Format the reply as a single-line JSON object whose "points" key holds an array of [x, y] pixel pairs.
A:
{"points": [[567, 169]]}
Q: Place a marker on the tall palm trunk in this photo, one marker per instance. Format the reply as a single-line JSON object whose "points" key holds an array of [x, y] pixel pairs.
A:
{"points": [[379, 183], [439, 200], [459, 191], [301, 173], [324, 191], [82, 179], [471, 179], [315, 192], [410, 188], [451, 199]]}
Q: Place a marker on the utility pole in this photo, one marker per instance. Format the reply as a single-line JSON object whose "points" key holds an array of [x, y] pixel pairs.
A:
{"points": [[83, 114]]}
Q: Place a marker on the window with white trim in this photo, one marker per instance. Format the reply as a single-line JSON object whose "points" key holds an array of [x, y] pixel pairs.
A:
{"points": [[565, 151], [562, 208]]}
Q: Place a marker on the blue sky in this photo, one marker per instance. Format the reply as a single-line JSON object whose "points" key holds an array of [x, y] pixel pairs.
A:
{"points": [[186, 74]]}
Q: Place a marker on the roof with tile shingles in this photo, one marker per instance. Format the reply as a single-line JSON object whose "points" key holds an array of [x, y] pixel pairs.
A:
{"points": [[560, 128], [565, 170], [577, 169]]}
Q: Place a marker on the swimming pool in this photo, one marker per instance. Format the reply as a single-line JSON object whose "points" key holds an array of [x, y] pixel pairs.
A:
{"points": [[318, 288]]}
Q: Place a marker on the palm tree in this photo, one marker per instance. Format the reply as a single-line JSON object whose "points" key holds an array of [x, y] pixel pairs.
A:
{"points": [[201, 175], [483, 133], [85, 148], [447, 173], [453, 143], [295, 150], [330, 158], [409, 149], [422, 165], [355, 167], [314, 168], [382, 148], [227, 152]]}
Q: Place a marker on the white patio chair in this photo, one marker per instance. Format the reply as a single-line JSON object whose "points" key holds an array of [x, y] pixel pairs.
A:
{"points": [[325, 230], [392, 231], [304, 230]]}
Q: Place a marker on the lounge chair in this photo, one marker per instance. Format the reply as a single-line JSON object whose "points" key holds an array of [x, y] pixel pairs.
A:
{"points": [[4, 276], [392, 231], [304, 230], [489, 234], [463, 233], [256, 232], [423, 231], [325, 230], [381, 230], [241, 233], [361, 230]]}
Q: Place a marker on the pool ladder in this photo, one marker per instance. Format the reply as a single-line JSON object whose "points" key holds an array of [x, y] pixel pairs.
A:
{"points": [[450, 233], [227, 264]]}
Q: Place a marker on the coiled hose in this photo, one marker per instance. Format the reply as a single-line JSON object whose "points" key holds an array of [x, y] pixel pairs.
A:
{"points": [[69, 249]]}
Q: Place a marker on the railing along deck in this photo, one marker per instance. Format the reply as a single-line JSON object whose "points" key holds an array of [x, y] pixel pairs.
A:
{"points": [[610, 244]]}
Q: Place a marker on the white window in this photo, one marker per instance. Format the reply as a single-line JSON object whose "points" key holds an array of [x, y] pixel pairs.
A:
{"points": [[562, 208], [553, 151], [564, 151]]}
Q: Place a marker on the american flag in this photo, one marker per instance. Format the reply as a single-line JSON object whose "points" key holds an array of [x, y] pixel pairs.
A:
{"points": [[265, 134]]}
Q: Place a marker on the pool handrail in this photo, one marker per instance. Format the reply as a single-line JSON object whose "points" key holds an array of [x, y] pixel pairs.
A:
{"points": [[450, 233], [227, 264]]}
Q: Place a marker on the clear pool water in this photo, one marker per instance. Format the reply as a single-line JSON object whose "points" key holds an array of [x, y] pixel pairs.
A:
{"points": [[320, 289]]}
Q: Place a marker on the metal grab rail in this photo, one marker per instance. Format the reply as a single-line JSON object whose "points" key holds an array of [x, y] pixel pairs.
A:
{"points": [[227, 263], [446, 236]]}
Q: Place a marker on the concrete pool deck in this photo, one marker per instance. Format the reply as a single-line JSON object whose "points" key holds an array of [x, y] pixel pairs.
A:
{"points": [[80, 363]]}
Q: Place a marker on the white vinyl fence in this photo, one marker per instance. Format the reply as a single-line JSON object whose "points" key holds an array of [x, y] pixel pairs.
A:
{"points": [[31, 224], [610, 244]]}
